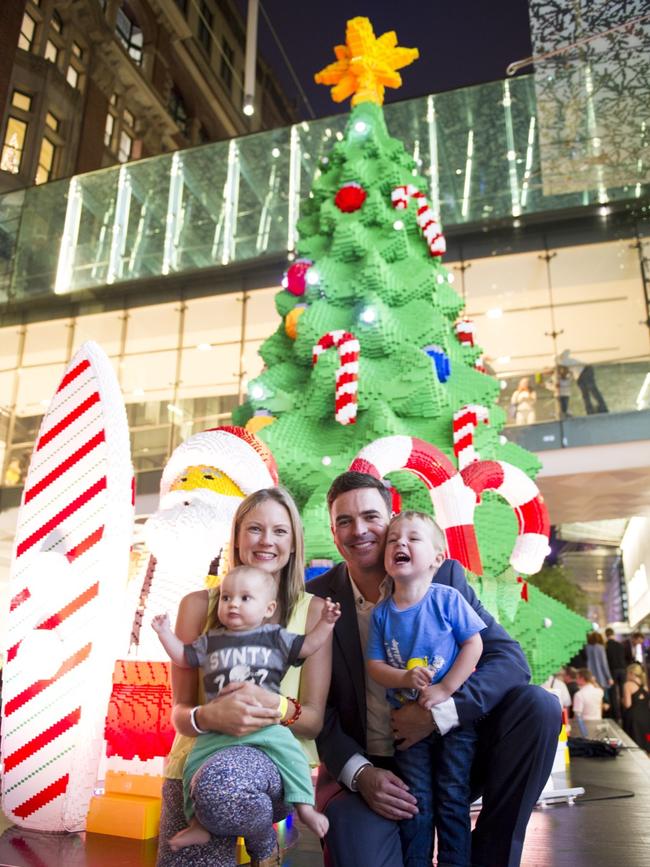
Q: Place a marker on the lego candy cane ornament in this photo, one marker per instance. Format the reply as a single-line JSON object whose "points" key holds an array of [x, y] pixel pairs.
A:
{"points": [[466, 420], [452, 501], [426, 219], [465, 332], [347, 375], [527, 503], [455, 495]]}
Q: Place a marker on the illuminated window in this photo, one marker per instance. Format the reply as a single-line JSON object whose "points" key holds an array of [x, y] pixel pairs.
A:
{"points": [[57, 23], [77, 50], [125, 148], [113, 99], [27, 30], [227, 62], [45, 162], [205, 26], [51, 51], [12, 149], [108, 130], [129, 34], [129, 120], [52, 121], [21, 100], [72, 76]]}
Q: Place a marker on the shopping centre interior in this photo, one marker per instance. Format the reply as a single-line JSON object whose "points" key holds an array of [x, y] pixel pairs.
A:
{"points": [[172, 264]]}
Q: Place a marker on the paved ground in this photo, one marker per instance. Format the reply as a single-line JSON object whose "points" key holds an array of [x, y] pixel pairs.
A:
{"points": [[607, 827]]}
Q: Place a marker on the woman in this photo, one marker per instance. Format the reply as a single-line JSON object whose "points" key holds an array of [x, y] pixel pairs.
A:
{"points": [[522, 403], [636, 706], [240, 785], [588, 701], [597, 663]]}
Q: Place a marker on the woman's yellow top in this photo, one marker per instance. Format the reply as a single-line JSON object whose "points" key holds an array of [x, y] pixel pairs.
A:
{"points": [[290, 686]]}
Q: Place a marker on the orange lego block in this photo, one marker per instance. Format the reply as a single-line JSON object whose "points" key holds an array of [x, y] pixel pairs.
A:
{"points": [[121, 783], [118, 815]]}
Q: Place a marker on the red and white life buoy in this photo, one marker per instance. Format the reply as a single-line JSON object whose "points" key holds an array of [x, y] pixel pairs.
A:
{"points": [[454, 496]]}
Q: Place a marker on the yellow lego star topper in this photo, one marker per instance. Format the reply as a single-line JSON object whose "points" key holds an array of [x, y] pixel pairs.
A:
{"points": [[365, 65]]}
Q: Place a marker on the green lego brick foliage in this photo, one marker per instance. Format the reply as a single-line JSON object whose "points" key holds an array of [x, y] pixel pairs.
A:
{"points": [[372, 274]]}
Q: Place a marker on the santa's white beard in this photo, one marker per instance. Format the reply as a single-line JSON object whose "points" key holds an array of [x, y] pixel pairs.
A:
{"points": [[185, 535], [189, 530]]}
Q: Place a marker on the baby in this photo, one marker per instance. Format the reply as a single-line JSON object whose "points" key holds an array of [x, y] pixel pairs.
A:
{"points": [[241, 646], [423, 644]]}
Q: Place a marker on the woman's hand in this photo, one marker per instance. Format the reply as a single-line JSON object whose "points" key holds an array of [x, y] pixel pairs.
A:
{"points": [[240, 708]]}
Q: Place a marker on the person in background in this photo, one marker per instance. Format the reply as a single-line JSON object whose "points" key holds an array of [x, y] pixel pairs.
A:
{"points": [[570, 679], [522, 403], [556, 684], [597, 663], [588, 701], [636, 706], [586, 382], [634, 650], [615, 653], [560, 385]]}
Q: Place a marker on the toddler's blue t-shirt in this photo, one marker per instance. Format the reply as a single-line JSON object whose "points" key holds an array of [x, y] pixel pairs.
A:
{"points": [[428, 634]]}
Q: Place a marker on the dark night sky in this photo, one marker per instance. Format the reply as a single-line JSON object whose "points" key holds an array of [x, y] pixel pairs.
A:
{"points": [[461, 42]]}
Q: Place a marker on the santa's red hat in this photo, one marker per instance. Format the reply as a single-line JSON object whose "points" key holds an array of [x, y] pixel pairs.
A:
{"points": [[233, 450]]}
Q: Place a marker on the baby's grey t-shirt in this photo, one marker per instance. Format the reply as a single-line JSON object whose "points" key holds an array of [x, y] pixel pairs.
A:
{"points": [[259, 655]]}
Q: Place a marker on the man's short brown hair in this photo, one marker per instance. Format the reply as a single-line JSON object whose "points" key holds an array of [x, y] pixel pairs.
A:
{"points": [[352, 481]]}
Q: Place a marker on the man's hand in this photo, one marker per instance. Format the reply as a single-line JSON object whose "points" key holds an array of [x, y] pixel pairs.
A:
{"points": [[240, 708], [418, 678], [432, 695], [410, 724], [386, 794]]}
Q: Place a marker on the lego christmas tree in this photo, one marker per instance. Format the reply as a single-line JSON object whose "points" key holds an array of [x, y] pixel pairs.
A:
{"points": [[371, 345]]}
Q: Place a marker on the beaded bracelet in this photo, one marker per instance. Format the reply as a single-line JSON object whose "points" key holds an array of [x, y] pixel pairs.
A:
{"points": [[297, 710]]}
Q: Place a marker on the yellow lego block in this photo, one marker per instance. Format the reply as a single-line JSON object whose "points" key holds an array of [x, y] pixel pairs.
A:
{"points": [[121, 783], [133, 816]]}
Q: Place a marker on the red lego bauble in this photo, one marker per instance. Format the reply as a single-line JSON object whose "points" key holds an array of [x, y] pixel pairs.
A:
{"points": [[350, 197], [294, 279]]}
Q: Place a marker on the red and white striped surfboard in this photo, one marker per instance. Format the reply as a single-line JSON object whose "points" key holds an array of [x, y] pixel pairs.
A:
{"points": [[67, 586]]}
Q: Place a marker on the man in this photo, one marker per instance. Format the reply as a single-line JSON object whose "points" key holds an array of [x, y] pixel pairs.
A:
{"points": [[517, 724], [616, 660], [634, 651]]}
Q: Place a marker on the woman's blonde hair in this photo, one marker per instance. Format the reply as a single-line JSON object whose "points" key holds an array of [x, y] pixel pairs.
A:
{"points": [[292, 579], [638, 671]]}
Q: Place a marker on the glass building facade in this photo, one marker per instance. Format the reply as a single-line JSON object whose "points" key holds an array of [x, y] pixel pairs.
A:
{"points": [[172, 264]]}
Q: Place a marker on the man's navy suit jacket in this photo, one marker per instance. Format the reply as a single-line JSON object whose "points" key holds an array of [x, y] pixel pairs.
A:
{"points": [[502, 667]]}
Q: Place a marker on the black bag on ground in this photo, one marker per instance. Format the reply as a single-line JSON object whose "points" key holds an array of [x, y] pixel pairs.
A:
{"points": [[590, 749]]}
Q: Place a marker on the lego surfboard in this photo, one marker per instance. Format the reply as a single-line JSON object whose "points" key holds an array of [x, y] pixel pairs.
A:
{"points": [[67, 586]]}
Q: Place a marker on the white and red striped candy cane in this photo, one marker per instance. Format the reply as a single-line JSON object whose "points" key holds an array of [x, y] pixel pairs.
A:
{"points": [[426, 219], [465, 331], [347, 374], [465, 422], [455, 495], [524, 497], [479, 364], [452, 501]]}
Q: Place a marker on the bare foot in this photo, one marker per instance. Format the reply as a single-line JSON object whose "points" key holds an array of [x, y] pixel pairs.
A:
{"points": [[195, 835], [315, 821]]}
